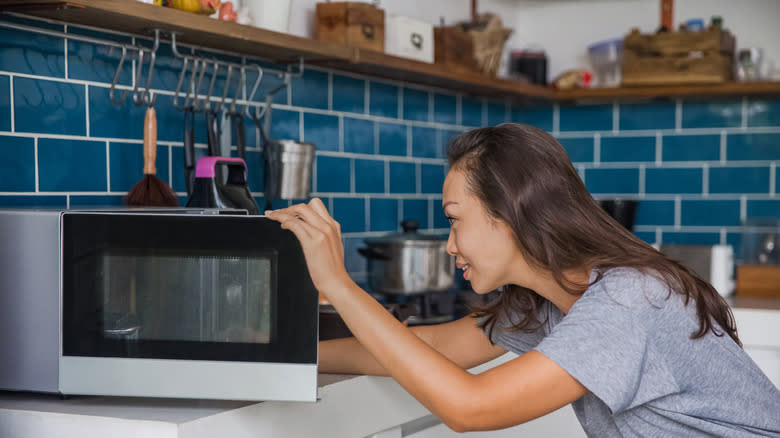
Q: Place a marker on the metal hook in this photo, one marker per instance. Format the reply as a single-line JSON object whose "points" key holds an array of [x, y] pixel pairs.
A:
{"points": [[239, 89], [206, 103], [116, 79], [196, 90], [178, 86], [191, 85], [137, 99], [227, 86]]}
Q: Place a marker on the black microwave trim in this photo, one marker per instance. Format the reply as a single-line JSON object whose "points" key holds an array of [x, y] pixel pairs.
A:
{"points": [[295, 301]]}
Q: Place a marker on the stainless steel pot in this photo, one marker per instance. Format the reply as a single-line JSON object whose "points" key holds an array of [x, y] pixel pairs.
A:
{"points": [[408, 263]]}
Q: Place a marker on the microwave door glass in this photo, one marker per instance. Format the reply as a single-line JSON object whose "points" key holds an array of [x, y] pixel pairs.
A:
{"points": [[160, 296]]}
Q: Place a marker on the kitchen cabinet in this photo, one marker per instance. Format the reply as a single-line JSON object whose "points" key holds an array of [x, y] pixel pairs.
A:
{"points": [[138, 18]]}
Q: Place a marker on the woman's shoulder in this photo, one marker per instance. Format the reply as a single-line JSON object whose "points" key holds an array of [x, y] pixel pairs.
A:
{"points": [[629, 287]]}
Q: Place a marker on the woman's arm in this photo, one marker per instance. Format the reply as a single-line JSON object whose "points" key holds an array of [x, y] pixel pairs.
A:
{"points": [[517, 391], [461, 341]]}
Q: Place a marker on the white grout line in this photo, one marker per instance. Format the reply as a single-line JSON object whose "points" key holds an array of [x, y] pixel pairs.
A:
{"points": [[314, 176], [300, 125], [742, 208], [596, 149], [658, 236], [387, 176], [11, 97], [723, 237], [641, 180], [705, 180], [366, 98], [108, 166], [418, 177], [65, 52], [341, 133], [367, 210], [772, 178], [431, 106], [677, 212], [86, 107], [659, 148], [330, 91], [723, 146], [37, 174], [556, 119], [615, 117], [376, 138], [409, 140], [352, 176], [67, 201], [170, 165], [400, 103], [744, 121]]}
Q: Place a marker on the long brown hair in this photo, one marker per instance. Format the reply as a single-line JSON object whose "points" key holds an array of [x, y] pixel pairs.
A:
{"points": [[523, 176]]}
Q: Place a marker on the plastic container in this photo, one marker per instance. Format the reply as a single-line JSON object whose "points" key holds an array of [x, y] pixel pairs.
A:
{"points": [[606, 58]]}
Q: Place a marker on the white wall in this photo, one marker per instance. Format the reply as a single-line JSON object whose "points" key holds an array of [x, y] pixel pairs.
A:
{"points": [[565, 28]]}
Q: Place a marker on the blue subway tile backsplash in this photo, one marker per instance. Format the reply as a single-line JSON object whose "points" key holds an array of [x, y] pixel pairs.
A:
{"points": [[697, 167], [627, 148]]}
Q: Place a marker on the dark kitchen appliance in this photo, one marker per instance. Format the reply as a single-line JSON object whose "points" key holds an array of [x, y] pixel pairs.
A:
{"points": [[210, 191], [176, 304]]}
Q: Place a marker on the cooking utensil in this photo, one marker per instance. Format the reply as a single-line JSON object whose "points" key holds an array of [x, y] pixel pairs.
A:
{"points": [[189, 149], [240, 131], [408, 263]]}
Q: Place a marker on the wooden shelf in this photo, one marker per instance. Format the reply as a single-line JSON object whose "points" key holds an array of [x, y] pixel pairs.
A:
{"points": [[137, 18], [671, 91]]}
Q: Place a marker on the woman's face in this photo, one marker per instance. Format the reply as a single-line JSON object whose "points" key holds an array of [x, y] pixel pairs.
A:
{"points": [[485, 248]]}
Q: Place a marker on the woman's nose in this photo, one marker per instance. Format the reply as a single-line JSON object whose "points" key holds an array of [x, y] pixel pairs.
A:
{"points": [[451, 248]]}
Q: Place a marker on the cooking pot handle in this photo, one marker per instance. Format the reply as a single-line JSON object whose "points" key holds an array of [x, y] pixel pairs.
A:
{"points": [[410, 226], [373, 253]]}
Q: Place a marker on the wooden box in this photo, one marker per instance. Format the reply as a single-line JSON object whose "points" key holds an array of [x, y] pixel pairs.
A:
{"points": [[675, 58], [351, 24], [758, 281], [453, 48]]}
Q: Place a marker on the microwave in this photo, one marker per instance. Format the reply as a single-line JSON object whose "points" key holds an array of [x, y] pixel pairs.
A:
{"points": [[155, 304]]}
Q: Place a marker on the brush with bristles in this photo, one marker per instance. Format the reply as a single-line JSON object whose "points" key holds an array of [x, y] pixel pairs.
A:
{"points": [[151, 191]]}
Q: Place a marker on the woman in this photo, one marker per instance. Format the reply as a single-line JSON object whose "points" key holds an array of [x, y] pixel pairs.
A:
{"points": [[637, 343]]}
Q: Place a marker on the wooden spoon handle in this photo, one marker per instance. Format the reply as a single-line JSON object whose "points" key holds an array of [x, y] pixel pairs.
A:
{"points": [[150, 141]]}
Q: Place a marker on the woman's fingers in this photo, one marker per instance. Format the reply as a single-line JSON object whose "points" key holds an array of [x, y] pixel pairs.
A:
{"points": [[292, 223]]}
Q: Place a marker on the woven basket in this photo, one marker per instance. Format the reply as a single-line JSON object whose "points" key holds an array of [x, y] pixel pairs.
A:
{"points": [[489, 37]]}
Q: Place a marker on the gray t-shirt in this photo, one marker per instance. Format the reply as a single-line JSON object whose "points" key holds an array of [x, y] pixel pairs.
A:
{"points": [[630, 347]]}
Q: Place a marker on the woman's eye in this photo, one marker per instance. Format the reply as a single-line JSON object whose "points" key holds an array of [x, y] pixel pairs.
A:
{"points": [[450, 219]]}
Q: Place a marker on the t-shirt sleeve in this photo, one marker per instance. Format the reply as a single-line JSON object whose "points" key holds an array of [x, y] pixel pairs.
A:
{"points": [[602, 343], [516, 341]]}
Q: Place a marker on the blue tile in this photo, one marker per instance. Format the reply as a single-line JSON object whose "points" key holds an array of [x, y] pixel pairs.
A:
{"points": [[690, 238], [115, 121], [369, 176], [383, 100], [471, 112], [332, 174], [445, 108], [49, 107], [170, 122], [392, 139], [416, 209], [647, 116], [432, 178], [98, 63], [710, 213], [5, 103], [439, 219], [72, 165], [612, 180], [31, 201], [739, 180], [496, 113], [539, 116], [359, 136], [416, 105], [403, 177], [97, 201], [655, 213], [311, 90], [17, 170], [350, 213], [32, 53], [127, 165], [627, 149], [353, 261], [764, 208], [711, 114], [285, 124], [384, 215], [322, 130], [585, 118], [673, 181], [753, 147], [424, 143], [691, 148], [255, 171], [763, 113], [349, 94], [580, 150], [645, 236]]}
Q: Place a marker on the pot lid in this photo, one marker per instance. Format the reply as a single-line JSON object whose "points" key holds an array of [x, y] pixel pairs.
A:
{"points": [[409, 234]]}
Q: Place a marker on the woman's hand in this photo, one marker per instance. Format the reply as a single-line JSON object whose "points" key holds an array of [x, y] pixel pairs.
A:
{"points": [[320, 237]]}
